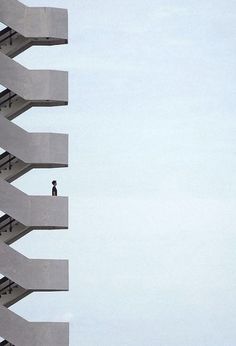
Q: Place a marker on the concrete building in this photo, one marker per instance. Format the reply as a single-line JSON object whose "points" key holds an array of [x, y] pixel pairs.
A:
{"points": [[27, 26]]}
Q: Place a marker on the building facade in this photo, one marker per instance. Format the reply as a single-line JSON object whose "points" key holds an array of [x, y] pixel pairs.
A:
{"points": [[23, 151]]}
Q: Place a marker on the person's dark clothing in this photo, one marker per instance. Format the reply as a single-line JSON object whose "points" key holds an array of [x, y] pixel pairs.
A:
{"points": [[54, 191]]}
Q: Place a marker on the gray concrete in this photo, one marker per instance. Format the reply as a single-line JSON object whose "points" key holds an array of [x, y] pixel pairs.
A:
{"points": [[34, 21], [16, 170], [33, 85], [33, 211], [35, 148], [33, 274], [24, 89], [20, 332], [11, 293], [12, 230], [18, 105]]}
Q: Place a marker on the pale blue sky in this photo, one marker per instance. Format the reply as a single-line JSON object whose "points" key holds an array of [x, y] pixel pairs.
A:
{"points": [[152, 173]]}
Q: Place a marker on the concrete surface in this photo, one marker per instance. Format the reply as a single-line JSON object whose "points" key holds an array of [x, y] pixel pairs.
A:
{"points": [[44, 26]]}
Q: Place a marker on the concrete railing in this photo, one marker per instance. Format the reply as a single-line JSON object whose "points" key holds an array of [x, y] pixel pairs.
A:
{"points": [[33, 211], [33, 274], [47, 149], [33, 85], [34, 21], [20, 332]]}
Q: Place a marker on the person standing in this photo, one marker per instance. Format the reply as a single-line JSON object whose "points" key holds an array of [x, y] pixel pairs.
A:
{"points": [[54, 189]]}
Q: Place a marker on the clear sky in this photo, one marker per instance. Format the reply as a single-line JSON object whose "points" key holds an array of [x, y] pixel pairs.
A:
{"points": [[152, 173]]}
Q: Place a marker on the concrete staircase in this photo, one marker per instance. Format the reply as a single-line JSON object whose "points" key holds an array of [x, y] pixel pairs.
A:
{"points": [[23, 151], [11, 230]]}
